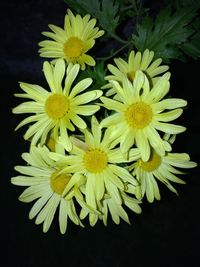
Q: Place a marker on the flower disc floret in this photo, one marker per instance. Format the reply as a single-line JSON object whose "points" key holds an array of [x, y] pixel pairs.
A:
{"points": [[138, 115], [73, 48], [160, 168], [57, 111], [73, 42], [56, 106], [152, 164], [136, 61], [50, 188], [131, 75], [58, 182], [140, 112], [95, 160]]}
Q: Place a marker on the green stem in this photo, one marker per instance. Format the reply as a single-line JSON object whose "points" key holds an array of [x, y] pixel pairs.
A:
{"points": [[116, 37], [115, 53], [126, 8]]}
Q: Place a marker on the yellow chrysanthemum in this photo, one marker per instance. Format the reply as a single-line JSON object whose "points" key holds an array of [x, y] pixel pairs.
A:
{"points": [[49, 188], [97, 161], [162, 169], [136, 61], [73, 42], [109, 205], [57, 109], [140, 112]]}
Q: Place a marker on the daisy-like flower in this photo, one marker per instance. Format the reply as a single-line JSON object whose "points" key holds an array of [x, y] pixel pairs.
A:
{"points": [[97, 161], [162, 169], [140, 112], [73, 42], [49, 188], [109, 205], [57, 110], [136, 61]]}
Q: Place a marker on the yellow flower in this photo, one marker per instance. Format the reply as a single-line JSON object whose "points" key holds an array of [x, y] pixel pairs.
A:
{"points": [[57, 110], [73, 42], [109, 205], [50, 189], [97, 161], [140, 112], [136, 61], [160, 168]]}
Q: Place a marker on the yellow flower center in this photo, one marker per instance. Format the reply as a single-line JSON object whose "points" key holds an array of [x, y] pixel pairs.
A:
{"points": [[152, 164], [73, 47], [56, 106], [50, 144], [58, 182], [131, 75], [138, 115], [95, 160]]}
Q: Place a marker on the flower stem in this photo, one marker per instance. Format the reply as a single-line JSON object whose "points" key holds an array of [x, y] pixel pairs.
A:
{"points": [[113, 54], [116, 37]]}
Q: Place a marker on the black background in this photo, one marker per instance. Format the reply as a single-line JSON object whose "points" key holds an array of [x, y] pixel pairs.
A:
{"points": [[165, 234]]}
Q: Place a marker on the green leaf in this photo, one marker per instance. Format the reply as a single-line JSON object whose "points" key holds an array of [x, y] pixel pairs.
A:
{"points": [[97, 73], [165, 33], [105, 11], [107, 16], [132, 8], [192, 48], [84, 7], [180, 3]]}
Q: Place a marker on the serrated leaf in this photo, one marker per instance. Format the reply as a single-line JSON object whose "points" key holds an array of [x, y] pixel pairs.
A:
{"points": [[165, 33], [84, 6], [107, 16], [180, 3], [192, 48]]}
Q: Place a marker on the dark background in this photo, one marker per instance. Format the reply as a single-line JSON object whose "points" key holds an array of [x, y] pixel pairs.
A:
{"points": [[165, 234]]}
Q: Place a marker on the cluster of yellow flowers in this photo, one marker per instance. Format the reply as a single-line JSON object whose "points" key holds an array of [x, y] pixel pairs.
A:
{"points": [[102, 168]]}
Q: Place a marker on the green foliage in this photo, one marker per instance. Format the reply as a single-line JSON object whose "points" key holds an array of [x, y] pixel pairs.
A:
{"points": [[106, 11], [108, 18], [97, 74], [192, 47], [173, 33], [176, 4], [132, 9], [84, 7], [166, 32]]}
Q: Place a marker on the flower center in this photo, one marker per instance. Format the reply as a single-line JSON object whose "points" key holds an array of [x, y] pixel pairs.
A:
{"points": [[73, 47], [95, 160], [152, 164], [138, 115], [59, 182], [51, 144], [56, 106], [131, 75]]}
